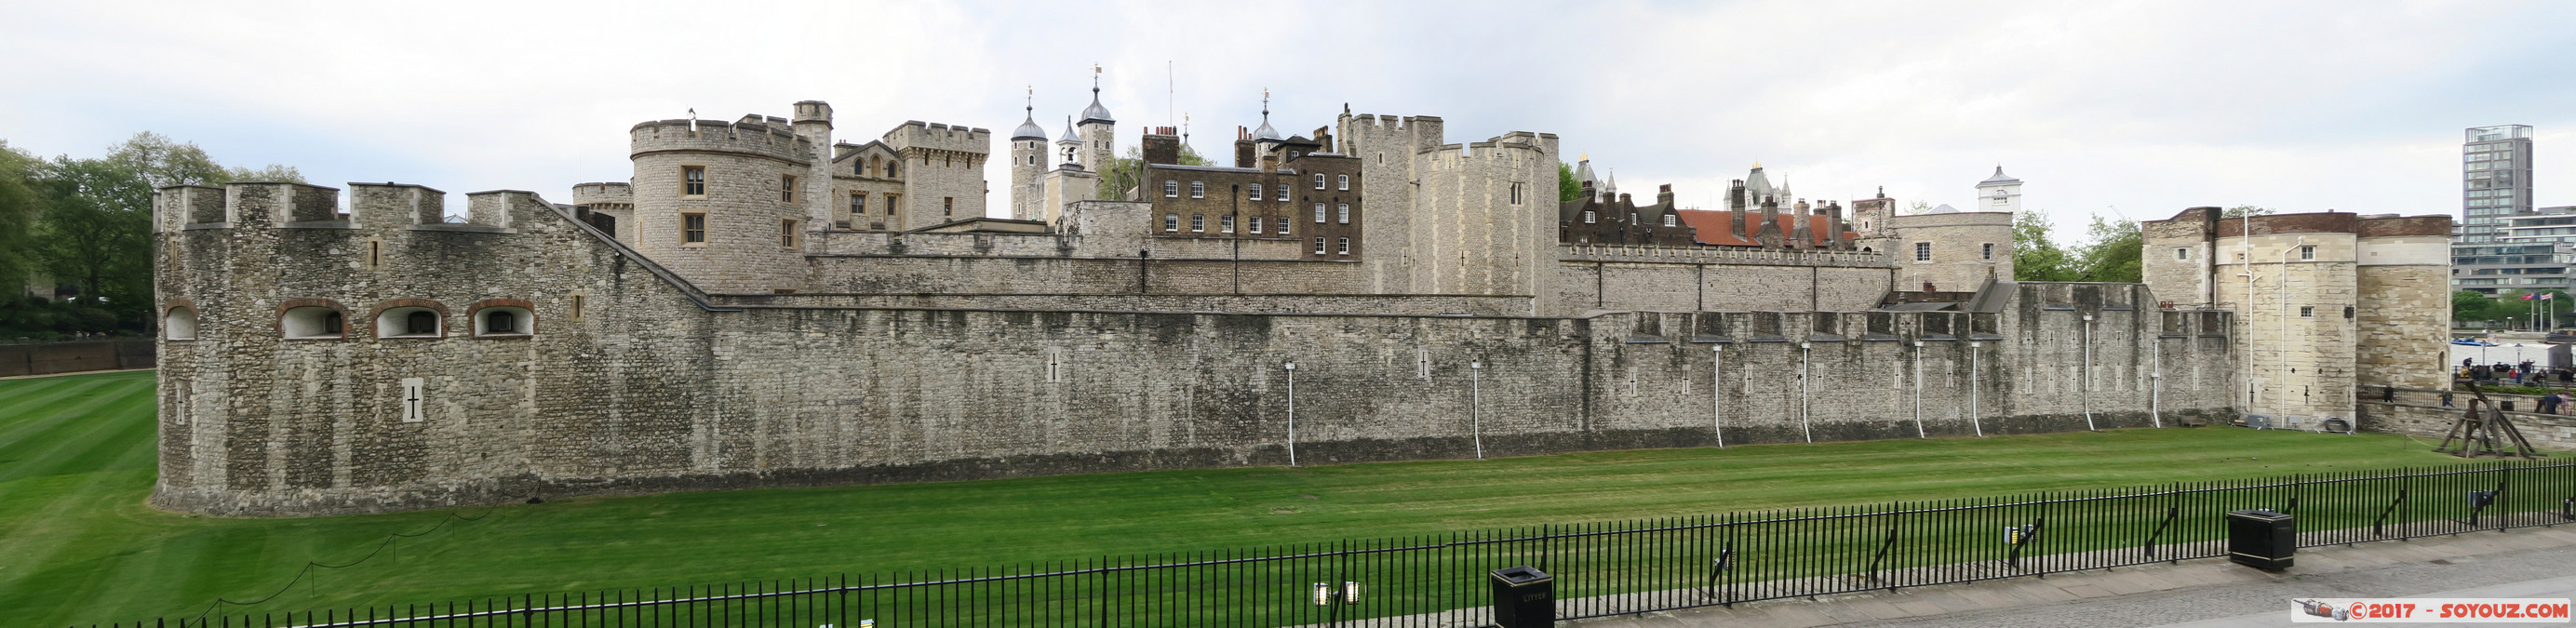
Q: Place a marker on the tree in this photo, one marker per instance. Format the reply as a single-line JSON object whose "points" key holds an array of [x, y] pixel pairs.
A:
{"points": [[96, 232], [272, 173], [1919, 207], [2114, 252], [2035, 256], [161, 162], [19, 209], [2242, 211], [1119, 175], [1567, 189]]}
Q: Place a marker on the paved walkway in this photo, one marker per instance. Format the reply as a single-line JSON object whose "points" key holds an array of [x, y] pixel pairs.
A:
{"points": [[2208, 593]]}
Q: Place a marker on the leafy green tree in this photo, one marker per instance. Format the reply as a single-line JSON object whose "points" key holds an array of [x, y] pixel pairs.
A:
{"points": [[2242, 211], [20, 208], [160, 161], [2471, 306], [96, 232], [1119, 175], [271, 173], [1567, 189], [2036, 257], [2114, 253]]}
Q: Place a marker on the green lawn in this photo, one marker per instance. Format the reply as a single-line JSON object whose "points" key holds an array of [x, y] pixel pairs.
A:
{"points": [[77, 543]]}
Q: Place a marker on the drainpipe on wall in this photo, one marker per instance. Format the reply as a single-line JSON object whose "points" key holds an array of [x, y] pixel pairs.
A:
{"points": [[1802, 394], [1973, 421], [1292, 412], [1918, 390], [2156, 381], [2085, 389], [1716, 388]]}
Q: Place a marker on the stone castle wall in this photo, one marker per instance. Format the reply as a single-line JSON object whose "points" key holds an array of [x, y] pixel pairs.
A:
{"points": [[635, 381]]}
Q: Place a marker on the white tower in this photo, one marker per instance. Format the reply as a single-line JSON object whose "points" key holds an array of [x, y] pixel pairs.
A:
{"points": [[1999, 193], [1099, 131], [1068, 149], [1028, 161]]}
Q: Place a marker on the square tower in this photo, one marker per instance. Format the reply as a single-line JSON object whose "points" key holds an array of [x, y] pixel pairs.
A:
{"points": [[1999, 193]]}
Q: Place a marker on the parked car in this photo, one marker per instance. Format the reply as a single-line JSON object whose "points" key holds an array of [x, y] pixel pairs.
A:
{"points": [[2560, 337]]}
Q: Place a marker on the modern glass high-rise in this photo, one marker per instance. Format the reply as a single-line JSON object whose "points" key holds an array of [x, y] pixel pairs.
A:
{"points": [[2495, 180]]}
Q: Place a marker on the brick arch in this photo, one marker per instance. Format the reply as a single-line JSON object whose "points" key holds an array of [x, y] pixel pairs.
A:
{"points": [[346, 323], [388, 304], [477, 308], [174, 302]]}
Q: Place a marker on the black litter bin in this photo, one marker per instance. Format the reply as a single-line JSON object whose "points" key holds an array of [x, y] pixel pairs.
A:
{"points": [[2263, 538], [1524, 597]]}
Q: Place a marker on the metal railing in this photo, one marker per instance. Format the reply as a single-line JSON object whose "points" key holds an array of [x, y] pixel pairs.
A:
{"points": [[1601, 568]]}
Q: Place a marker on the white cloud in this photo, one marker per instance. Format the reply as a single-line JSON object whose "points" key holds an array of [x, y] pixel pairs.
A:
{"points": [[2147, 106]]}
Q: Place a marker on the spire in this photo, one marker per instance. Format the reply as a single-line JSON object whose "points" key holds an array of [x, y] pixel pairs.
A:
{"points": [[1095, 112], [1265, 132], [1069, 135], [1029, 129]]}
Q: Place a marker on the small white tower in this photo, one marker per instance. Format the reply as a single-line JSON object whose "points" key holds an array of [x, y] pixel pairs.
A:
{"points": [[1028, 161], [1099, 131], [1999, 193], [1069, 147]]}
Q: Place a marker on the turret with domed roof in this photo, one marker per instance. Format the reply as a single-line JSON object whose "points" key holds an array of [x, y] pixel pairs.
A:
{"points": [[1099, 131], [1028, 161]]}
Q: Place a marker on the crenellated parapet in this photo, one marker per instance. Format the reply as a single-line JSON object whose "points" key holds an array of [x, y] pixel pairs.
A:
{"points": [[772, 138]]}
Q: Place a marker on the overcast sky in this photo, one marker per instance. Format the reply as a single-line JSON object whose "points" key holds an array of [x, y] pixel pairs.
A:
{"points": [[2148, 107]]}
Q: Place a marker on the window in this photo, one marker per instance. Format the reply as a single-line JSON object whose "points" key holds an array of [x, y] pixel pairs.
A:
{"points": [[693, 229], [314, 323], [1255, 194], [1171, 189], [786, 234], [408, 322], [858, 203], [1319, 213], [891, 167], [2307, 311], [179, 324], [1319, 246], [859, 167], [503, 321], [2347, 312], [2307, 252], [1922, 251], [786, 188], [947, 206], [1225, 223], [1171, 222], [1198, 189], [1989, 251], [1516, 193], [1198, 223], [1319, 184], [1669, 220], [693, 180], [1346, 246], [1283, 225], [1590, 218], [891, 201], [1345, 181], [2182, 253], [411, 399], [1344, 213], [1256, 224]]}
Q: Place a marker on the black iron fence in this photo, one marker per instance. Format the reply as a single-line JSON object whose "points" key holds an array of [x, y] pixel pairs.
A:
{"points": [[1601, 569]]}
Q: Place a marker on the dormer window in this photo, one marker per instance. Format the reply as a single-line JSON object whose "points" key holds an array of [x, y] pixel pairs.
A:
{"points": [[1590, 218], [1669, 220]]}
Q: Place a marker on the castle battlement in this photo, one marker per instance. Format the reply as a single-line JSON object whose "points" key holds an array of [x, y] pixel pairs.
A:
{"points": [[775, 140], [937, 136]]}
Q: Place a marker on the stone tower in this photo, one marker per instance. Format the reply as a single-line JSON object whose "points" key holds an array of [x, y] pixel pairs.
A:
{"points": [[1098, 130], [813, 123], [724, 204], [1999, 193], [1028, 162]]}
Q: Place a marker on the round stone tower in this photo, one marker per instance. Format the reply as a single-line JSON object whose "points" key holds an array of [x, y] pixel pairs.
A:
{"points": [[1099, 131], [724, 205], [1028, 163]]}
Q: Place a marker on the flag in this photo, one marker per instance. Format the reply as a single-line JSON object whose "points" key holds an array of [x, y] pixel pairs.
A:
{"points": [[2528, 297], [2545, 296]]}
